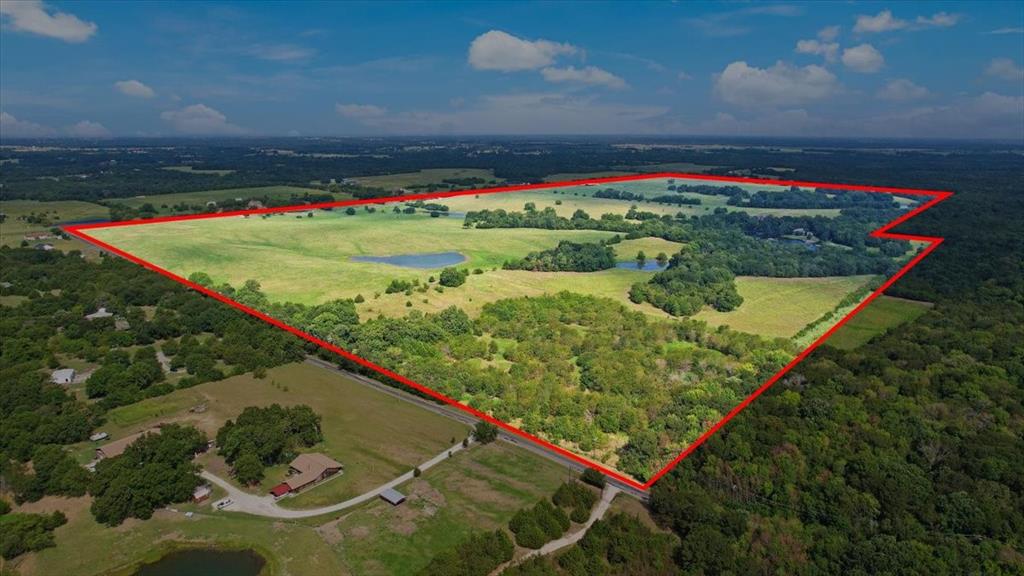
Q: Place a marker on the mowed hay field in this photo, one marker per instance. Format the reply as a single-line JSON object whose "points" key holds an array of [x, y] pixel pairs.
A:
{"points": [[780, 307], [374, 435], [14, 227], [307, 260], [881, 315]]}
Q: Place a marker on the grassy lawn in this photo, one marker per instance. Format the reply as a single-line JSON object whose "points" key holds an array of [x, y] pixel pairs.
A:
{"points": [[86, 547], [884, 313], [164, 202], [479, 489], [627, 249], [782, 306], [374, 435], [14, 227], [307, 260], [426, 177]]}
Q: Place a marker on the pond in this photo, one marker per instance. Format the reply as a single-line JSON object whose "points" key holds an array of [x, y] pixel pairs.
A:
{"points": [[425, 260], [649, 266], [206, 562]]}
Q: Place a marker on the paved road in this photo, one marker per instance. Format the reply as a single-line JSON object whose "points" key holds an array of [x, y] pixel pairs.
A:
{"points": [[267, 505], [470, 420]]}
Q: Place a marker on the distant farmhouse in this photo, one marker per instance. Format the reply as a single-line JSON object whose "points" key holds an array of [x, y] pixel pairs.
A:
{"points": [[63, 376], [306, 470]]}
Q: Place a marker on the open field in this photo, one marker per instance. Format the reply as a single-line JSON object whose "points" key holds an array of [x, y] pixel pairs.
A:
{"points": [[374, 435], [563, 176], [306, 260], [14, 227], [165, 202], [478, 489], [193, 170], [884, 313], [426, 177], [782, 306]]}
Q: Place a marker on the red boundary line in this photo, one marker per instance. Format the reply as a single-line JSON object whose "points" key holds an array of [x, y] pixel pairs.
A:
{"points": [[882, 232]]}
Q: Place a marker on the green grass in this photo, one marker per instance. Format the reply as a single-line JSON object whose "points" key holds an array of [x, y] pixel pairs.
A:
{"points": [[564, 176], [883, 314], [374, 435], [14, 228], [479, 489], [164, 202], [425, 177], [782, 306], [193, 170], [307, 260]]}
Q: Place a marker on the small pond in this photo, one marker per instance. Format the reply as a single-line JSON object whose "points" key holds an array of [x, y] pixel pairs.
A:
{"points": [[426, 260], [205, 562], [649, 266]]}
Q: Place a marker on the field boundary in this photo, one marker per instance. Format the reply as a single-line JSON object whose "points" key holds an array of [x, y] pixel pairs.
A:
{"points": [[883, 232]]}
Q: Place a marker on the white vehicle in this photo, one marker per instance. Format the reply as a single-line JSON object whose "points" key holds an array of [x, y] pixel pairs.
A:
{"points": [[222, 504]]}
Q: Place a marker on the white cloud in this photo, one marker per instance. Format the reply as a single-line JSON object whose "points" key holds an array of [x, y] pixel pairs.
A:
{"points": [[1006, 69], [201, 120], [497, 50], [683, 76], [134, 88], [828, 50], [828, 33], [1011, 30], [87, 129], [360, 110], [11, 127], [938, 20], [863, 58], [35, 17], [780, 85], [280, 52], [587, 75], [884, 21], [901, 89]]}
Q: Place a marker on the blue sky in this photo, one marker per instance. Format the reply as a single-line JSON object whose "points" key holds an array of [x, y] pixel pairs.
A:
{"points": [[885, 69]]}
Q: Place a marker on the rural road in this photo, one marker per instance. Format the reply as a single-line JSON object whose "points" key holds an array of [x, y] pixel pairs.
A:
{"points": [[596, 514], [267, 505], [470, 420]]}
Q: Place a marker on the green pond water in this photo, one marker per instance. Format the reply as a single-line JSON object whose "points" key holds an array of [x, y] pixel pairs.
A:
{"points": [[205, 562]]}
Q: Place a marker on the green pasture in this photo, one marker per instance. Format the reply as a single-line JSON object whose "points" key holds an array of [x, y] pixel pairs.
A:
{"points": [[881, 315], [14, 227], [164, 203]]}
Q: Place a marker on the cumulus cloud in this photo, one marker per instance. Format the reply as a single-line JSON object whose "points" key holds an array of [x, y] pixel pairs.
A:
{"points": [[900, 90], [1006, 69], [588, 75], [863, 58], [828, 33], [200, 120], [497, 50], [11, 127], [360, 110], [884, 21], [34, 17], [828, 50], [779, 85], [87, 129], [134, 88]]}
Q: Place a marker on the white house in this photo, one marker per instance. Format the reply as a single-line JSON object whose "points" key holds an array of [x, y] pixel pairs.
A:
{"points": [[63, 376]]}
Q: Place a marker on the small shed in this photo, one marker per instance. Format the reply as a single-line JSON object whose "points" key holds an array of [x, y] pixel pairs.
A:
{"points": [[201, 493], [99, 436], [280, 490], [392, 496], [100, 313], [63, 376]]}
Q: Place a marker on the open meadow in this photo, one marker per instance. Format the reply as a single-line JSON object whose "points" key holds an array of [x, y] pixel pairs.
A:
{"points": [[17, 212], [885, 313], [165, 203]]}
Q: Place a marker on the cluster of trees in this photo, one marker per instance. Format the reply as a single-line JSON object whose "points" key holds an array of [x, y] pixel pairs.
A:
{"points": [[20, 533], [262, 437], [534, 527], [53, 472], [688, 284], [120, 211], [452, 277], [478, 555], [618, 545], [577, 498], [154, 471], [567, 257]]}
